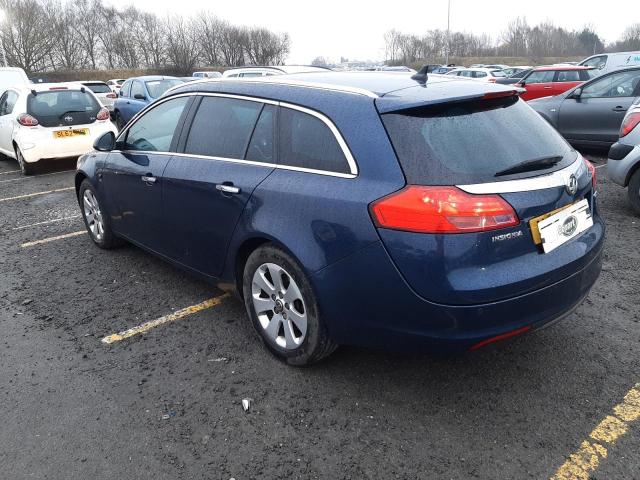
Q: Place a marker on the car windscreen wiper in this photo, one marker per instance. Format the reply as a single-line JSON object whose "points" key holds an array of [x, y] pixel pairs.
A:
{"points": [[530, 165]]}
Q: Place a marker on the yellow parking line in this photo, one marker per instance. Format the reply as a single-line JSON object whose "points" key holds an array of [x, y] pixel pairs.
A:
{"points": [[29, 195], [46, 222], [145, 327], [53, 239], [10, 171], [586, 460]]}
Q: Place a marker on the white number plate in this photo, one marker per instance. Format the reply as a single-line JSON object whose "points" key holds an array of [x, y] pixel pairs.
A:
{"points": [[565, 225]]}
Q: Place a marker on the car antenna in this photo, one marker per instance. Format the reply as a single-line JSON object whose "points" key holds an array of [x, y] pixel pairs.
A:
{"points": [[421, 75]]}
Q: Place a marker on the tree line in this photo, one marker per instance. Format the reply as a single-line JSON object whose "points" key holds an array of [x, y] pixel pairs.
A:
{"points": [[519, 39], [43, 35]]}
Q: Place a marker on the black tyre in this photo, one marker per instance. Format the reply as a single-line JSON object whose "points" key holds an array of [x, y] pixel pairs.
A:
{"points": [[98, 224], [633, 191], [25, 167], [283, 307]]}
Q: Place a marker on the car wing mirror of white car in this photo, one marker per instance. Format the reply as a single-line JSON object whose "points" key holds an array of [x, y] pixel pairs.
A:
{"points": [[105, 142]]}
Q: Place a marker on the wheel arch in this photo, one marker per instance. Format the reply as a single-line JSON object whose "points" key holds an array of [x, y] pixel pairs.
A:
{"points": [[630, 173]]}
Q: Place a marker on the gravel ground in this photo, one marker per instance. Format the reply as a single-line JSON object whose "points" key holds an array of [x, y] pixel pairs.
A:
{"points": [[167, 404]]}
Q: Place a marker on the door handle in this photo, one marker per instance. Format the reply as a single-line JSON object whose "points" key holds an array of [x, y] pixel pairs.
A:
{"points": [[227, 188], [149, 179], [619, 109]]}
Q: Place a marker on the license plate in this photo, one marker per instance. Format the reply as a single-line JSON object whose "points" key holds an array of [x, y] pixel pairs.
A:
{"points": [[560, 226], [76, 132]]}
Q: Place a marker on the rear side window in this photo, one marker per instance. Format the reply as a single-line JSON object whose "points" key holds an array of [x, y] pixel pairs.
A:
{"points": [[222, 127], [544, 76], [467, 143], [63, 107], [568, 76], [306, 141], [98, 87], [154, 131]]}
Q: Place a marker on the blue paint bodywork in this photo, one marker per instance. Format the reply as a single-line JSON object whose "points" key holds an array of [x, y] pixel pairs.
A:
{"points": [[375, 287]]}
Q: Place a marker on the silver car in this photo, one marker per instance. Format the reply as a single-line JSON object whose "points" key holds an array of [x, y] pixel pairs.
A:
{"points": [[623, 165], [104, 93]]}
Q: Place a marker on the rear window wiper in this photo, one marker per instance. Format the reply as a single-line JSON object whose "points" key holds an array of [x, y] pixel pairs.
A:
{"points": [[530, 165]]}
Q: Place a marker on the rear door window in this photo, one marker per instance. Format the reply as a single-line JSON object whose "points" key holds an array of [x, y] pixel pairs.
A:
{"points": [[261, 145], [568, 76], [222, 127], [63, 107], [155, 130], [468, 143], [306, 141]]}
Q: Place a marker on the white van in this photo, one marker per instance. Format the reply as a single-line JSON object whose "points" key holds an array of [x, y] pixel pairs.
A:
{"points": [[12, 77], [607, 62]]}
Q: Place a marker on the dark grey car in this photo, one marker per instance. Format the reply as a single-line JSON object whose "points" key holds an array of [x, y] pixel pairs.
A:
{"points": [[591, 113]]}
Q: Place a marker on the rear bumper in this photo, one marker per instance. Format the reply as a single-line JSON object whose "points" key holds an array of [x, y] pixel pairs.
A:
{"points": [[618, 170], [380, 310], [40, 144]]}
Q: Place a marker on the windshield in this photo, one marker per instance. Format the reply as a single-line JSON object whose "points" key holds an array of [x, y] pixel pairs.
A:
{"points": [[157, 87], [62, 107], [98, 87], [467, 143]]}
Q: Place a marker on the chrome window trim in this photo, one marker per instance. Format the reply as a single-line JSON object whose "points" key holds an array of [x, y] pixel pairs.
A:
{"points": [[558, 178], [353, 167], [269, 80]]}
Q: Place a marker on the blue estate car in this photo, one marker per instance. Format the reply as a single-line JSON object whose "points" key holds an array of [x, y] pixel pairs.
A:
{"points": [[136, 93], [356, 208]]}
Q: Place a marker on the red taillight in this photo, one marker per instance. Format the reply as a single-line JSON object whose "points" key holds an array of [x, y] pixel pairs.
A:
{"points": [[442, 210], [593, 172], [492, 80], [498, 338], [27, 120], [103, 114], [629, 124], [111, 95]]}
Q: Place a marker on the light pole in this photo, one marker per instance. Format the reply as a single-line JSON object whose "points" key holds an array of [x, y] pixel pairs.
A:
{"points": [[446, 59]]}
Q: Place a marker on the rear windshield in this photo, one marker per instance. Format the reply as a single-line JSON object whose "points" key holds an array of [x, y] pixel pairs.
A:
{"points": [[467, 143], [498, 73], [157, 87], [62, 107], [98, 87]]}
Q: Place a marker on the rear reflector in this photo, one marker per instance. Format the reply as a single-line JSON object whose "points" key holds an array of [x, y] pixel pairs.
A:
{"points": [[27, 120], [442, 210], [498, 338], [103, 114], [593, 172], [629, 124]]}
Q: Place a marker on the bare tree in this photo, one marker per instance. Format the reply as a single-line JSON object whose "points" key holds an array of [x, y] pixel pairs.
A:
{"points": [[27, 34], [88, 25], [211, 31], [67, 52], [183, 44], [149, 35]]}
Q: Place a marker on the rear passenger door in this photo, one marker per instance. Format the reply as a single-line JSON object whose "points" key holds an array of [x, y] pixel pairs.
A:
{"points": [[227, 151], [566, 79], [539, 84]]}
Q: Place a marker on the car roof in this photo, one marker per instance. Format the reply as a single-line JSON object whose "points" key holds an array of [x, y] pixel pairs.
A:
{"points": [[147, 78], [561, 67], [391, 91], [280, 68], [45, 87]]}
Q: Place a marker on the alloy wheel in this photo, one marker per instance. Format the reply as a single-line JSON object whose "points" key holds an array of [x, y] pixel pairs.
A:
{"points": [[279, 306], [93, 215]]}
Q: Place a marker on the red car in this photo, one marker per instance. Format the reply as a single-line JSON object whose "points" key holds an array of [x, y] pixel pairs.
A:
{"points": [[554, 80]]}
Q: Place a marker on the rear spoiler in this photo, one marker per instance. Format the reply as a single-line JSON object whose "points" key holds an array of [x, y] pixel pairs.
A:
{"points": [[388, 105]]}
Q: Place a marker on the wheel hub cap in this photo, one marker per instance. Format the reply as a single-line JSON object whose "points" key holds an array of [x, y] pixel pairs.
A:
{"points": [[279, 305], [93, 215]]}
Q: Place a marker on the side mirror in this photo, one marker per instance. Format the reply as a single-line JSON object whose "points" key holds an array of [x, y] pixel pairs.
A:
{"points": [[139, 96], [577, 93], [105, 143]]}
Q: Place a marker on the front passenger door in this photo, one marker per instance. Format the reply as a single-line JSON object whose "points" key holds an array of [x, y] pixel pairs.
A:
{"points": [[595, 117], [133, 173]]}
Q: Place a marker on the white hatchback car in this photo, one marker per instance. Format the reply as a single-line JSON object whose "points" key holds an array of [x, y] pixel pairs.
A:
{"points": [[103, 92], [50, 121]]}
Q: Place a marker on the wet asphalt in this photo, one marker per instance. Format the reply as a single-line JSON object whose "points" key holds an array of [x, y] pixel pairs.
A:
{"points": [[167, 404]]}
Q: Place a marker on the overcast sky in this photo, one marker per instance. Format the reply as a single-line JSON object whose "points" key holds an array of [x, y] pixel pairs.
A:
{"points": [[354, 29]]}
